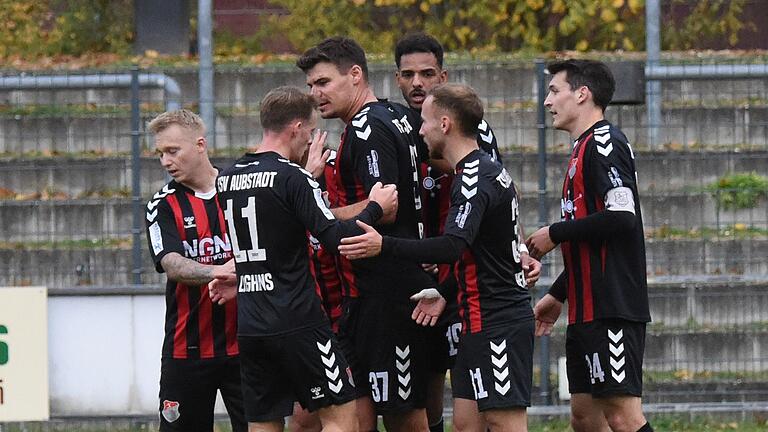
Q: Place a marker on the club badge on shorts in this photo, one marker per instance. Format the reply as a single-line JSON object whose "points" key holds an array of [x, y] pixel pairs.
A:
{"points": [[170, 411]]}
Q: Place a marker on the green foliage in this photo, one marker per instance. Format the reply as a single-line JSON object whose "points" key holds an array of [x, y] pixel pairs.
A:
{"points": [[709, 21], [739, 191], [499, 25], [36, 28]]}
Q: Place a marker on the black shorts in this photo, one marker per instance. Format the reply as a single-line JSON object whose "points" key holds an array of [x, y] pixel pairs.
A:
{"points": [[306, 365], [388, 351], [442, 345], [188, 393], [605, 357], [495, 366]]}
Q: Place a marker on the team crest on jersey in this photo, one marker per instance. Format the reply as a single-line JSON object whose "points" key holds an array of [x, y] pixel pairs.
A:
{"points": [[189, 222], [170, 411], [428, 183]]}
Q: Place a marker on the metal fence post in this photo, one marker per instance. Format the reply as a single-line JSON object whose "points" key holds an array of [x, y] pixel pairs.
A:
{"points": [[541, 125], [136, 202]]}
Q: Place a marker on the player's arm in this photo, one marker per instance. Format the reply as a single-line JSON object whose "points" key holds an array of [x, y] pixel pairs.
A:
{"points": [[374, 157], [487, 141], [350, 211], [612, 175], [191, 272]]}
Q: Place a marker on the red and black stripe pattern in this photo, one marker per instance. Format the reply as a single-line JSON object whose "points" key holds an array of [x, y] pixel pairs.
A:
{"points": [[195, 327]]}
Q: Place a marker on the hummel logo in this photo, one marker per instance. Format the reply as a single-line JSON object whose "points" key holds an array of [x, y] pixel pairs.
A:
{"points": [[500, 368], [189, 222], [487, 137], [403, 363], [603, 138], [617, 350], [605, 151], [360, 122], [331, 370], [151, 216], [363, 135]]}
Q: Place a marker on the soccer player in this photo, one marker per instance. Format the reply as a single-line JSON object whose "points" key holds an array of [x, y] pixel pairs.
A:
{"points": [[419, 61], [288, 349], [601, 238], [481, 235], [188, 241], [383, 344]]}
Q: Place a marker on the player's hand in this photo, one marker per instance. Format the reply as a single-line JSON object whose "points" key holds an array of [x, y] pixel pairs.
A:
{"points": [[225, 272], [431, 268], [429, 307], [221, 291], [386, 197], [365, 245], [546, 311], [531, 269], [540, 243], [316, 156]]}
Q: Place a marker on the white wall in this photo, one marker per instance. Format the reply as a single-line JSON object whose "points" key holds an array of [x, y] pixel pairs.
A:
{"points": [[104, 354]]}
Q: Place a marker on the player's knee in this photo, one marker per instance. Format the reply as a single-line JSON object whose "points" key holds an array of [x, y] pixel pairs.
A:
{"points": [[585, 423]]}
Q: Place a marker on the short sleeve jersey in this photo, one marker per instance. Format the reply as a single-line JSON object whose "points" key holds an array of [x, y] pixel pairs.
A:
{"points": [[270, 204], [484, 213], [604, 278], [192, 225], [378, 146]]}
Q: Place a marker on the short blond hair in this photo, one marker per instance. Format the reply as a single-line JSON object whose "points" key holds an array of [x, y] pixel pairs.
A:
{"points": [[182, 117]]}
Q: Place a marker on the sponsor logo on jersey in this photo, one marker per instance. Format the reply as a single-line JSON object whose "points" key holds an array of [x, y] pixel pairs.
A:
{"points": [[373, 164], [210, 248]]}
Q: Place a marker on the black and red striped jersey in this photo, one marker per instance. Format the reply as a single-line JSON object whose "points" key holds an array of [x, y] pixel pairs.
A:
{"points": [[322, 264], [192, 225], [269, 205], [604, 278], [484, 213], [378, 146]]}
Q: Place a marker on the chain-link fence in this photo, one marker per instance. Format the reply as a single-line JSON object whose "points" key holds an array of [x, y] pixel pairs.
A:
{"points": [[66, 185]]}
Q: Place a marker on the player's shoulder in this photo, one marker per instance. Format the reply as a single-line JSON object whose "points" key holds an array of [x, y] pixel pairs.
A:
{"points": [[603, 131], [291, 172], [168, 189]]}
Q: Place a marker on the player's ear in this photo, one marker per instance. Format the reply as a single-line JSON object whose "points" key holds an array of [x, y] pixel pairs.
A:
{"points": [[583, 94], [443, 76], [356, 72], [201, 144], [445, 124]]}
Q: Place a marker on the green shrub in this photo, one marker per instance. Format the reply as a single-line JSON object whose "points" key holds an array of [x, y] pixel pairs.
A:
{"points": [[739, 191]]}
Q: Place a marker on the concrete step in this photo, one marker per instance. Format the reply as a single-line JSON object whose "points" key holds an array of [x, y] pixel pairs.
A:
{"points": [[500, 80], [55, 215], [721, 352], [659, 173], [683, 127]]}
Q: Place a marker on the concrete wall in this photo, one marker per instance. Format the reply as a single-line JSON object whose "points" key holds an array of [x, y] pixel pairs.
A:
{"points": [[104, 354]]}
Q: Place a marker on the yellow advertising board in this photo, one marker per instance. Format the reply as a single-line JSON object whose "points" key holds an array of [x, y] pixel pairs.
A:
{"points": [[23, 354]]}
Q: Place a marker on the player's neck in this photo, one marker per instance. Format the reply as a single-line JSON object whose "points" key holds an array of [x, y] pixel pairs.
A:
{"points": [[585, 122], [458, 148], [362, 97], [272, 143], [205, 181]]}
